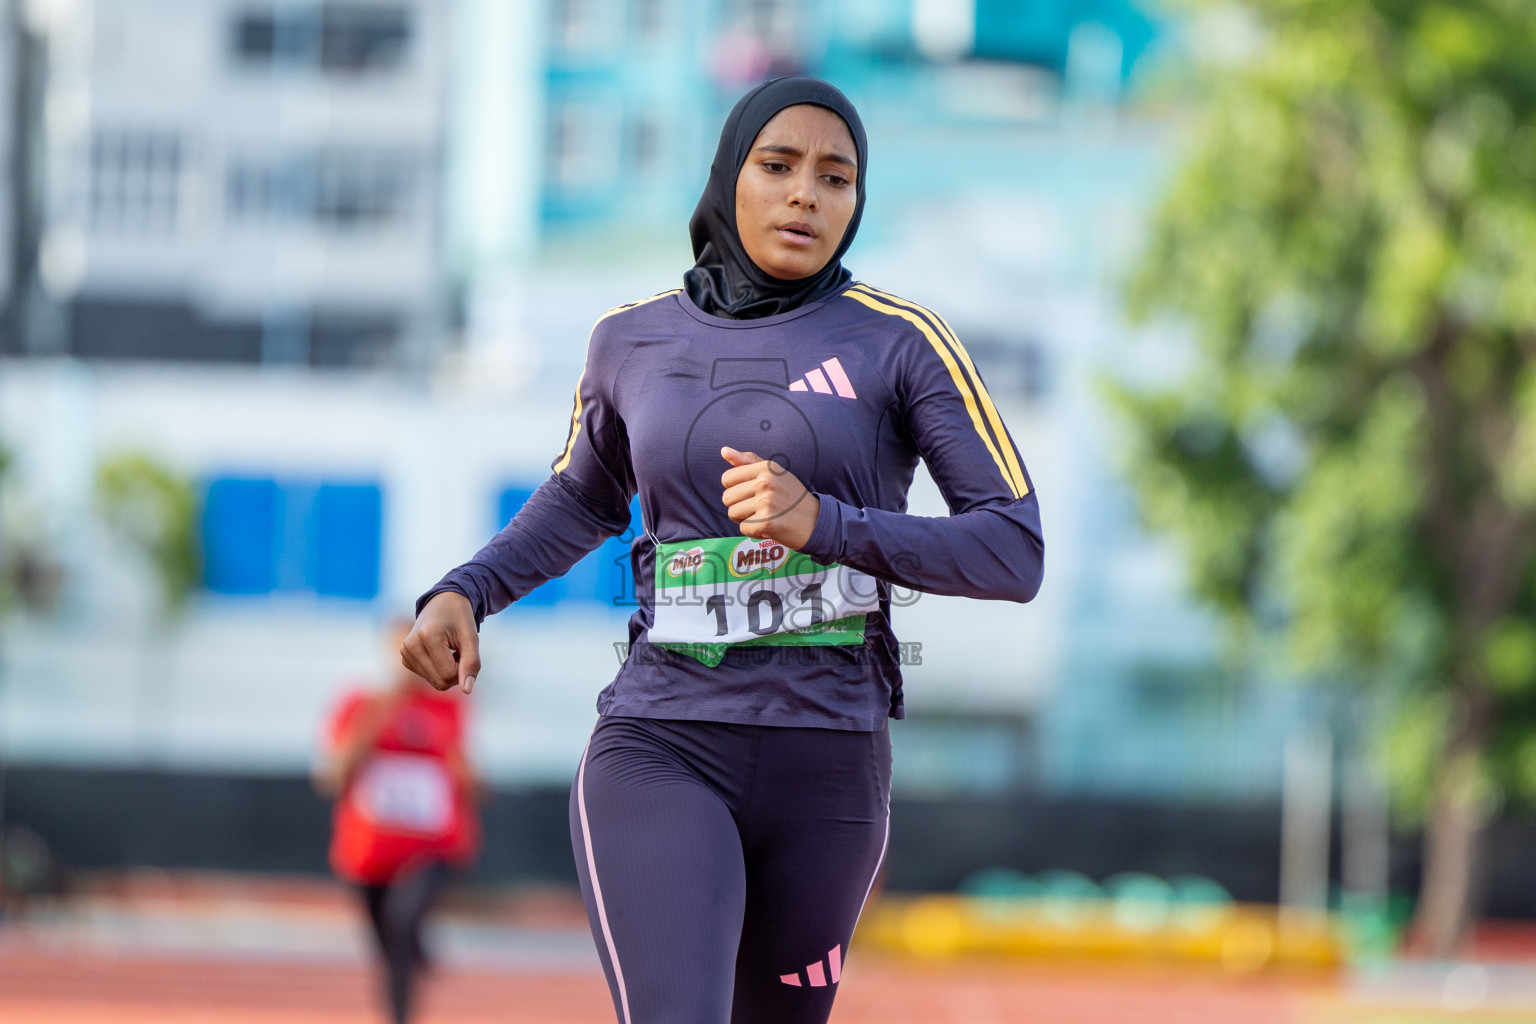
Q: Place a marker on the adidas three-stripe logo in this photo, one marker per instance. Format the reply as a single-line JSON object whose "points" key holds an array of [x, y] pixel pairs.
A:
{"points": [[816, 974], [833, 382]]}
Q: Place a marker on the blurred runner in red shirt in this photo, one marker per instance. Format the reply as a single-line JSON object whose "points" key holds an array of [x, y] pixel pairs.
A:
{"points": [[404, 816]]}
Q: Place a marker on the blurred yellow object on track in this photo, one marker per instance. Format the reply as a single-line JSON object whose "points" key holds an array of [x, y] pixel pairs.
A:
{"points": [[1240, 938]]}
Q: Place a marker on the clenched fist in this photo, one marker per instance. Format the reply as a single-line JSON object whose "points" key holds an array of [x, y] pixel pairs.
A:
{"points": [[444, 645], [767, 500]]}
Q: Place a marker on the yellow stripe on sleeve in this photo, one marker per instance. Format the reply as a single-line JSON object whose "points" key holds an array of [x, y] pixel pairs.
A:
{"points": [[570, 444], [955, 373], [1015, 470]]}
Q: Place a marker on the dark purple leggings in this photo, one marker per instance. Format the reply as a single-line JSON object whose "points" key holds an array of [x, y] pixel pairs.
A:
{"points": [[397, 910], [724, 866]]}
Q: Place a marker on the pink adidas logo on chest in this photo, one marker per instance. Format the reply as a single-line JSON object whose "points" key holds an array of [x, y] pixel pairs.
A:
{"points": [[827, 379]]}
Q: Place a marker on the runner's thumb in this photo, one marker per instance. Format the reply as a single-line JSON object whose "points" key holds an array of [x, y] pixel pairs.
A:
{"points": [[737, 458], [469, 660]]}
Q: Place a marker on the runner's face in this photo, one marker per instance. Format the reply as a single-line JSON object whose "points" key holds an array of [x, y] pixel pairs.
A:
{"points": [[796, 192]]}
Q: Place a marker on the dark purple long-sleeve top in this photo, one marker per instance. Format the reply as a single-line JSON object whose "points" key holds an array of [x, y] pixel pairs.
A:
{"points": [[847, 393]]}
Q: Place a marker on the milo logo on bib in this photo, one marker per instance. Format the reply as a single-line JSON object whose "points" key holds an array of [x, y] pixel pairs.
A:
{"points": [[757, 556], [718, 592], [685, 561]]}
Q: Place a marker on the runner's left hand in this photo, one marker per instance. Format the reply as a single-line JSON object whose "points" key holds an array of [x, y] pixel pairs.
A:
{"points": [[767, 500]]}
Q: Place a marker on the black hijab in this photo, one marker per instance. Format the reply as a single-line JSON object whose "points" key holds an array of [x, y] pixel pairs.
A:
{"points": [[724, 281]]}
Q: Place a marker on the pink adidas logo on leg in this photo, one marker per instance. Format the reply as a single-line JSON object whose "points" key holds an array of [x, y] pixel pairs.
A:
{"points": [[816, 975], [833, 382]]}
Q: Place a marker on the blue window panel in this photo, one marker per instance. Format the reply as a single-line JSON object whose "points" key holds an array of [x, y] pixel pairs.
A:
{"points": [[601, 577], [241, 535], [262, 536], [585, 578], [295, 508], [345, 534]]}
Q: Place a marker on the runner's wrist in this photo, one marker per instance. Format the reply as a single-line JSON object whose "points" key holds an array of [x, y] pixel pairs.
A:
{"points": [[450, 586], [826, 541]]}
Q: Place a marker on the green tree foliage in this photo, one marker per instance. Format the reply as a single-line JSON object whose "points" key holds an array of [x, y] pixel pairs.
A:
{"points": [[155, 510], [1351, 458]]}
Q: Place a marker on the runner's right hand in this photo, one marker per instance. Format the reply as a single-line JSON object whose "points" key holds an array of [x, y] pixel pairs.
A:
{"points": [[444, 645]]}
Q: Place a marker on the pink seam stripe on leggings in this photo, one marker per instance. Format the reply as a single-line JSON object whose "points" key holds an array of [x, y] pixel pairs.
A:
{"points": [[597, 891]]}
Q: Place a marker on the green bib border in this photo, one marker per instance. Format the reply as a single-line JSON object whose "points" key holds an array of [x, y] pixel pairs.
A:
{"points": [[848, 630]]}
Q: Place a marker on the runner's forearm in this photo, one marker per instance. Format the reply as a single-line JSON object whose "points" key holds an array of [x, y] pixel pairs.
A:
{"points": [[991, 552]]}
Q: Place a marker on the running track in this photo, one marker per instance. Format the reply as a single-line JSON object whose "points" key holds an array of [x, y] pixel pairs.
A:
{"points": [[200, 949], [47, 988]]}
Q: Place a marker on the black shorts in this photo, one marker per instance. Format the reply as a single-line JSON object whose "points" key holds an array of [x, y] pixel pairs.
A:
{"points": [[724, 866]]}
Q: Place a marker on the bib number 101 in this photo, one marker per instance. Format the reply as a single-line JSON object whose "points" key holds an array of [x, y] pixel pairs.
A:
{"points": [[765, 611]]}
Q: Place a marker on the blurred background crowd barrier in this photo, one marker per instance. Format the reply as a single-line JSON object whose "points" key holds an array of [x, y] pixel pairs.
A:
{"points": [[295, 294]]}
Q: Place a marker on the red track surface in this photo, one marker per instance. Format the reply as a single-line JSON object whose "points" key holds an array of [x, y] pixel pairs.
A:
{"points": [[94, 961], [48, 988]]}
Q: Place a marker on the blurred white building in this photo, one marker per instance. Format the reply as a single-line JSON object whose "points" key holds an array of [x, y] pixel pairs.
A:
{"points": [[329, 502], [248, 181]]}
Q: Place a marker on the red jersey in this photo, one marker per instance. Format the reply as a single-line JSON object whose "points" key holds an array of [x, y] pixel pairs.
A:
{"points": [[410, 798]]}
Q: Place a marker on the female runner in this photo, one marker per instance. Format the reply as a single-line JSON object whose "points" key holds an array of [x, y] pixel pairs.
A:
{"points": [[731, 810]]}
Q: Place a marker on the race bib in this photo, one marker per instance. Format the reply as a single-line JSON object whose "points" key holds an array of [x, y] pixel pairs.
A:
{"points": [[406, 792], [719, 592]]}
